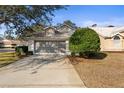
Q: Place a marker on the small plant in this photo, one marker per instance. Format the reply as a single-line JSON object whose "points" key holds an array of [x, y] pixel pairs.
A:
{"points": [[21, 50]]}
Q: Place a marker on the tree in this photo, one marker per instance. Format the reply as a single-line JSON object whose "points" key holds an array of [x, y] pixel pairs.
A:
{"points": [[29, 31], [84, 40], [70, 23], [1, 37], [9, 35], [17, 18], [67, 22]]}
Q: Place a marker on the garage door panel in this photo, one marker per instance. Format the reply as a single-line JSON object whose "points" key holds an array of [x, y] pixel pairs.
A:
{"points": [[39, 46], [62, 47], [50, 47]]}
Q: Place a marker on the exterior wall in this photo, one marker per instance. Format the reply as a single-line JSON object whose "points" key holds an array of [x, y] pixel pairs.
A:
{"points": [[107, 44], [123, 43], [67, 48], [31, 45]]}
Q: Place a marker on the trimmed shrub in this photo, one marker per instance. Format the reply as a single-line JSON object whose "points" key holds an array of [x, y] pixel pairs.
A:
{"points": [[21, 50], [84, 41]]}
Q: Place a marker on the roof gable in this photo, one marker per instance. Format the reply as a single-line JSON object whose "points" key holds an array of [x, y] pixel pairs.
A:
{"points": [[65, 26], [50, 31]]}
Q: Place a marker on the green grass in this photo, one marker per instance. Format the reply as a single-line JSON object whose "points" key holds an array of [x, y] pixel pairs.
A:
{"points": [[7, 53], [7, 58]]}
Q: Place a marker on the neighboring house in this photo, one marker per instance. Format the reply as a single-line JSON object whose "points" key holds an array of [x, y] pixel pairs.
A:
{"points": [[5, 43], [111, 38], [51, 40]]}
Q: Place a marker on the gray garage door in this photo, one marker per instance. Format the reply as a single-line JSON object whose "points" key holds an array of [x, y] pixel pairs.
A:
{"points": [[50, 47]]}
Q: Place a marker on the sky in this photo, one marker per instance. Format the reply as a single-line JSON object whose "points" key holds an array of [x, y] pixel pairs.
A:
{"points": [[84, 15]]}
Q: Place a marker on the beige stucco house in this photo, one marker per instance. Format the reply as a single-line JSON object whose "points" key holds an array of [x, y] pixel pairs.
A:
{"points": [[111, 38]]}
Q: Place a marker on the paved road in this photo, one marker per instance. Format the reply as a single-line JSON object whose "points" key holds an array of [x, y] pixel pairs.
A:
{"points": [[40, 71], [7, 50]]}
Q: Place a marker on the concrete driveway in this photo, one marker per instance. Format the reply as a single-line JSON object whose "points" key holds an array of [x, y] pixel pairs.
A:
{"points": [[40, 71]]}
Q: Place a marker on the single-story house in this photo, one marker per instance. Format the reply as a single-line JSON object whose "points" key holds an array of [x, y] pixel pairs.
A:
{"points": [[111, 38], [56, 40]]}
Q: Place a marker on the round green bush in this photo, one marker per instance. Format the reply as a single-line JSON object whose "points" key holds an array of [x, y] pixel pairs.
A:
{"points": [[84, 40]]}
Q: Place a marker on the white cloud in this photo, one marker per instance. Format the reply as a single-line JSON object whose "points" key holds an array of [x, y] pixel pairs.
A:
{"points": [[113, 21]]}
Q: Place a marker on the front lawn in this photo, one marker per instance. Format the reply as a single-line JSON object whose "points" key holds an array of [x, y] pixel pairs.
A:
{"points": [[7, 58], [107, 72]]}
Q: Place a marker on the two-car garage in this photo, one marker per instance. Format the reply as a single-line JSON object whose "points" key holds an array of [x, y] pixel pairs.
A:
{"points": [[50, 47], [45, 45]]}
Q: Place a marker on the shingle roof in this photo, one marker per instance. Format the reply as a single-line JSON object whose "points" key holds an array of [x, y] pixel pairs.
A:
{"points": [[107, 31]]}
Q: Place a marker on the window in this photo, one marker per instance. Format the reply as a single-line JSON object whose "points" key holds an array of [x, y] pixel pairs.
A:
{"points": [[116, 38], [116, 41]]}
